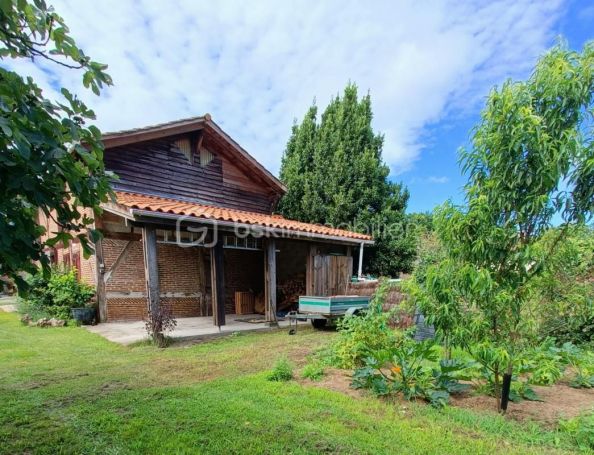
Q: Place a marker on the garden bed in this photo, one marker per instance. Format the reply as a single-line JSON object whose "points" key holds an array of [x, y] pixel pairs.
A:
{"points": [[559, 401]]}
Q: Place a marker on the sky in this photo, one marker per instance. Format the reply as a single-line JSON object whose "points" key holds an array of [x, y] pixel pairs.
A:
{"points": [[257, 66]]}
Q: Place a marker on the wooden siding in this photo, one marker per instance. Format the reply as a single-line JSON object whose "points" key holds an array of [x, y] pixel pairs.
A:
{"points": [[158, 167], [328, 275]]}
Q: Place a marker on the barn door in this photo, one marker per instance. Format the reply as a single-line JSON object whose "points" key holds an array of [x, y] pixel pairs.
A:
{"points": [[330, 274]]}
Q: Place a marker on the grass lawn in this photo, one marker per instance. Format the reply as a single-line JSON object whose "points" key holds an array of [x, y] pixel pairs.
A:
{"points": [[65, 390]]}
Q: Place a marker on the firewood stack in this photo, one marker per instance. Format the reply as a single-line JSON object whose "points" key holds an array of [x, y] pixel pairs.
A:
{"points": [[288, 294]]}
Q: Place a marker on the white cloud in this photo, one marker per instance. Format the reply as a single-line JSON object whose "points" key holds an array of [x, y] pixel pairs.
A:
{"points": [[442, 179], [255, 66], [431, 179]]}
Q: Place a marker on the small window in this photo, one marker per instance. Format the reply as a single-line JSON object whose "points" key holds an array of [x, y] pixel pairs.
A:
{"points": [[184, 237], [161, 235]]}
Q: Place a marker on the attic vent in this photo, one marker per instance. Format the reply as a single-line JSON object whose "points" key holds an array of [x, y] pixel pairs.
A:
{"points": [[206, 156], [184, 146]]}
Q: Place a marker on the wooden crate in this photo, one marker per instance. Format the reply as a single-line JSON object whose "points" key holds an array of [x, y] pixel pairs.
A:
{"points": [[245, 303]]}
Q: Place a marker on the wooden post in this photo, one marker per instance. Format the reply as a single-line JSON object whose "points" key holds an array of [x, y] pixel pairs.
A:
{"points": [[151, 269], [100, 271], [309, 272], [218, 283], [270, 277], [360, 271]]}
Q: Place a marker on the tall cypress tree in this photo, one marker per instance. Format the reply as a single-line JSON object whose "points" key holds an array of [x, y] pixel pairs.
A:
{"points": [[335, 174]]}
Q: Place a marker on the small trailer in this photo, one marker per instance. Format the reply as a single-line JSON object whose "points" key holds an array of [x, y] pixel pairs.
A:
{"points": [[320, 310]]}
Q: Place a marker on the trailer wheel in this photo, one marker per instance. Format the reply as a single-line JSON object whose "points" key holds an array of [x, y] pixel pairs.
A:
{"points": [[318, 323]]}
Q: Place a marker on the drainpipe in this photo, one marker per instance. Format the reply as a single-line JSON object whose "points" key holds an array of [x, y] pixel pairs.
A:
{"points": [[360, 271]]}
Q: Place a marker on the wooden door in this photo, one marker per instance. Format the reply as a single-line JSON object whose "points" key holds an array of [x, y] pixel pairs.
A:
{"points": [[330, 274]]}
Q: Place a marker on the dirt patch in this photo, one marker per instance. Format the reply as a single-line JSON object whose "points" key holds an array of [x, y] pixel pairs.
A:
{"points": [[335, 380], [559, 402]]}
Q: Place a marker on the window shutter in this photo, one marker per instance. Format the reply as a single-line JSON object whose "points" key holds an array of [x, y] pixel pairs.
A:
{"points": [[206, 156], [184, 146]]}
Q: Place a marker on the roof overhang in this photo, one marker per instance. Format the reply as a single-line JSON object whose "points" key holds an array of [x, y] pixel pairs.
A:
{"points": [[148, 216]]}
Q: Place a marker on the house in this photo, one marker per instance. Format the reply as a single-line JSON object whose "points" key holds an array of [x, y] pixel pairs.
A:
{"points": [[193, 224]]}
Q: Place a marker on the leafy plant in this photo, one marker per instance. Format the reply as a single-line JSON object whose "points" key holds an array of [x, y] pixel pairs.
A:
{"points": [[412, 369], [313, 370], [361, 334], [521, 390], [52, 158], [158, 323], [56, 296], [562, 298], [282, 371], [533, 140], [67, 292]]}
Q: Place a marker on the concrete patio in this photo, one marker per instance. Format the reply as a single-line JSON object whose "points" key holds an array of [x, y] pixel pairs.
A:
{"points": [[187, 328]]}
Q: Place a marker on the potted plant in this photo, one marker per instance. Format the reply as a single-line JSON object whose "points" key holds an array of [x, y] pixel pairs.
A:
{"points": [[86, 315]]}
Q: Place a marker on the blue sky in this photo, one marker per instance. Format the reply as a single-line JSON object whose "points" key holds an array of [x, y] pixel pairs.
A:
{"points": [[257, 66], [575, 24]]}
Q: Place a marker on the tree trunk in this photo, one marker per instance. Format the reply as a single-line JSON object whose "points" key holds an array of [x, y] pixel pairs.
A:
{"points": [[447, 348], [497, 388]]}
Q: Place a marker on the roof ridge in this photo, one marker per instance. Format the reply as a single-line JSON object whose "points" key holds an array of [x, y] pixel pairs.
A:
{"points": [[196, 118]]}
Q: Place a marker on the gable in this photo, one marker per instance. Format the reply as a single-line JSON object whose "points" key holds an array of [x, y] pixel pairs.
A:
{"points": [[200, 128], [193, 166]]}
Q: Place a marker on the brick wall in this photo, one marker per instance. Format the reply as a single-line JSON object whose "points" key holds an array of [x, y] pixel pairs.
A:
{"points": [[179, 279], [125, 288], [129, 275], [72, 256]]}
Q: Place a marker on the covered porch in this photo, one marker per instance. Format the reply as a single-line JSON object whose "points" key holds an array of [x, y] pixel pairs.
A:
{"points": [[218, 266]]}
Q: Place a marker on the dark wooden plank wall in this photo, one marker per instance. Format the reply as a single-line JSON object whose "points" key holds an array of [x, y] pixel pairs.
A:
{"points": [[157, 167], [330, 275]]}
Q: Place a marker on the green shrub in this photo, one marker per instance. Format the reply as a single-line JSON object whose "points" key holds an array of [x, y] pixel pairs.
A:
{"points": [[67, 292], [313, 370], [33, 309], [562, 298], [56, 295], [37, 294], [359, 335], [282, 370]]}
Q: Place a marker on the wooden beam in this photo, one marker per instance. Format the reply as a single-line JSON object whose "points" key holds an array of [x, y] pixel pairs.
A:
{"points": [[100, 271], [218, 282], [151, 269], [108, 273], [270, 277], [150, 133]]}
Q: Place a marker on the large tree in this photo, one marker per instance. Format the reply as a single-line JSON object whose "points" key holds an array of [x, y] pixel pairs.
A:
{"points": [[335, 174], [50, 158], [531, 160]]}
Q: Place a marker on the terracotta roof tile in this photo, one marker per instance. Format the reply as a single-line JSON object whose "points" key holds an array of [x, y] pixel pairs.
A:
{"points": [[177, 207]]}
